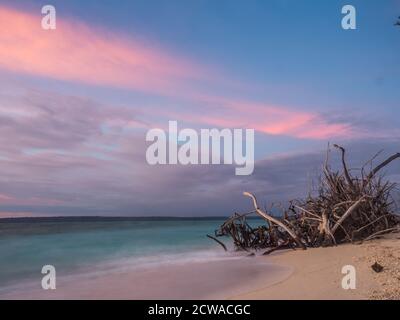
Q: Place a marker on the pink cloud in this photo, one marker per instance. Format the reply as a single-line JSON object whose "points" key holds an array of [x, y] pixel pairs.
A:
{"points": [[264, 118], [276, 120], [77, 52], [4, 198], [54, 122], [4, 215], [10, 200]]}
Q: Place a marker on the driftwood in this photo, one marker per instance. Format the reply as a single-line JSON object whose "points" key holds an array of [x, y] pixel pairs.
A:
{"points": [[220, 242], [345, 208], [271, 219]]}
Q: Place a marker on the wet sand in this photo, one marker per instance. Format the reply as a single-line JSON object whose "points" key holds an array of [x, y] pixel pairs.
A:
{"points": [[199, 280]]}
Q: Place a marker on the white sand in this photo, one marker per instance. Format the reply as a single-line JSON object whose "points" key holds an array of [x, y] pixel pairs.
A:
{"points": [[317, 273]]}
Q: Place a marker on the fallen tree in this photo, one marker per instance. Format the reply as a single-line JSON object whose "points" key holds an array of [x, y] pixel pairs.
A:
{"points": [[345, 209]]}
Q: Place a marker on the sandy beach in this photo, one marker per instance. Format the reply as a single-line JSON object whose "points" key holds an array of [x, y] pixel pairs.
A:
{"points": [[317, 272], [310, 274], [197, 280]]}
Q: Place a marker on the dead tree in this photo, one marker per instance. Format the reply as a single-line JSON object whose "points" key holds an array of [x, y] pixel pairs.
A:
{"points": [[345, 208]]}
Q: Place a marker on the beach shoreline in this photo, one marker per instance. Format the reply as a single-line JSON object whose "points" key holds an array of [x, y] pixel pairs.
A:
{"points": [[312, 274], [215, 279], [318, 273]]}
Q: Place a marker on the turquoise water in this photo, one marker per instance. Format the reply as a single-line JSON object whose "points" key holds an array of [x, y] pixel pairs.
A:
{"points": [[75, 244]]}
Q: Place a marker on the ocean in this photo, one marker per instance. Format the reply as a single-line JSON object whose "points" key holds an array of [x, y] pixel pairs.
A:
{"points": [[74, 245]]}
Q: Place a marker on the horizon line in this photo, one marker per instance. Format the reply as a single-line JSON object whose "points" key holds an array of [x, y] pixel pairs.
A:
{"points": [[112, 217]]}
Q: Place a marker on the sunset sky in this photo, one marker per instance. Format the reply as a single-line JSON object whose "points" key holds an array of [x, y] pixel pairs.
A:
{"points": [[76, 102]]}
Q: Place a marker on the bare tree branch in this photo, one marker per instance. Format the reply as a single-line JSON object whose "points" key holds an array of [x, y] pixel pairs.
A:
{"points": [[267, 217]]}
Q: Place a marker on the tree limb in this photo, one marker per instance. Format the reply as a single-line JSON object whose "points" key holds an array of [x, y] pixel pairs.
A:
{"points": [[220, 242], [383, 164], [347, 213], [345, 170], [269, 218]]}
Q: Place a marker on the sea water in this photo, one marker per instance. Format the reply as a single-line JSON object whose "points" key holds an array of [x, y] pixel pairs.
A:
{"points": [[74, 245]]}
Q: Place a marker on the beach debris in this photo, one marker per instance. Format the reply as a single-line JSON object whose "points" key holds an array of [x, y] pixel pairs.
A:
{"points": [[220, 242], [377, 267], [344, 208]]}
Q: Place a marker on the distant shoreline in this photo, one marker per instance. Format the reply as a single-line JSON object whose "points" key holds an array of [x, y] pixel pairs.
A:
{"points": [[110, 218]]}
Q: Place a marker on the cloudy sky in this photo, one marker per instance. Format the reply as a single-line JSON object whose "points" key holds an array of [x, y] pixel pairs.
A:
{"points": [[76, 102]]}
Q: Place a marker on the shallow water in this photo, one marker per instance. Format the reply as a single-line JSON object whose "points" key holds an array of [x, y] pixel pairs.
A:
{"points": [[79, 245]]}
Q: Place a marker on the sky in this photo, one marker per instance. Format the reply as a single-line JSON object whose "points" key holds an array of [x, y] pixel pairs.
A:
{"points": [[76, 102]]}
